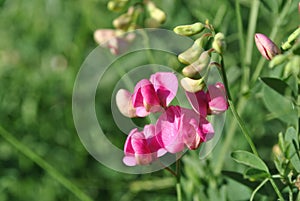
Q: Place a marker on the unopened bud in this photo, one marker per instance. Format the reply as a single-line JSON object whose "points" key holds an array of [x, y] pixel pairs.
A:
{"points": [[124, 103], [198, 66], [191, 85], [219, 43], [189, 30], [122, 22], [156, 14], [116, 5], [292, 67], [278, 59], [288, 44], [266, 46], [192, 54]]}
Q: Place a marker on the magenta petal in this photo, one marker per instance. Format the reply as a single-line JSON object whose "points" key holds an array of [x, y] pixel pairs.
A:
{"points": [[128, 149], [198, 101], [207, 130], [165, 85], [217, 99], [137, 97], [168, 129]]}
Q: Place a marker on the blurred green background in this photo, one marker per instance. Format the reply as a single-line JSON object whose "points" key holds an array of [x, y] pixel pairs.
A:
{"points": [[42, 46]]}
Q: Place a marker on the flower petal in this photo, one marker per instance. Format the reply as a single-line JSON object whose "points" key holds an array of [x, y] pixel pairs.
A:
{"points": [[165, 85], [198, 101], [124, 103], [217, 99]]}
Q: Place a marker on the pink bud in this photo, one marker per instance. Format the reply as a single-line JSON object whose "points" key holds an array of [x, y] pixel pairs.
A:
{"points": [[266, 46]]}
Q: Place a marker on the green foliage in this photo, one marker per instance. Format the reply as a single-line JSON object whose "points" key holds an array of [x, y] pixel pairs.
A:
{"points": [[42, 46]]}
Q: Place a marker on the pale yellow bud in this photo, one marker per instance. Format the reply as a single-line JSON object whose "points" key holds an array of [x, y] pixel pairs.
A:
{"points": [[189, 30], [219, 43], [192, 54], [192, 85]]}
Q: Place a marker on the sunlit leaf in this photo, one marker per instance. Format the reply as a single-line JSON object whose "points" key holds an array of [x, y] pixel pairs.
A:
{"points": [[249, 159]]}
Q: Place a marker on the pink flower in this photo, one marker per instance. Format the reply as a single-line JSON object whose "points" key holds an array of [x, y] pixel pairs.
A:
{"points": [[214, 101], [149, 96], [266, 46], [113, 40], [178, 128], [142, 148]]}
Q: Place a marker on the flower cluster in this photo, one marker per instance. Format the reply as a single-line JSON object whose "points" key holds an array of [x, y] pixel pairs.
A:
{"points": [[142, 14], [176, 128]]}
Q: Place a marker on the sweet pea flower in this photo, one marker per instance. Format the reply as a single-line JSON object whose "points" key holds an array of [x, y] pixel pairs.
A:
{"points": [[214, 101], [149, 96], [142, 148], [266, 46], [178, 128]]}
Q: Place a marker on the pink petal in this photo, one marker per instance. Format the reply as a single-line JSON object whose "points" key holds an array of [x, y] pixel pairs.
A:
{"points": [[128, 149], [103, 35], [129, 160], [168, 129], [198, 101], [165, 85], [124, 103], [207, 130], [216, 96], [144, 98]]}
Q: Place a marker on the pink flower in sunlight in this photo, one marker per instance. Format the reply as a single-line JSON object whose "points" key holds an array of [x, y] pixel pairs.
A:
{"points": [[214, 101], [149, 96], [142, 148], [178, 128], [266, 46]]}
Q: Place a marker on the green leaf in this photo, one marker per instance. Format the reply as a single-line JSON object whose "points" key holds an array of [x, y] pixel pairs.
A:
{"points": [[240, 178], [291, 138], [255, 174], [249, 159], [280, 106], [277, 84]]}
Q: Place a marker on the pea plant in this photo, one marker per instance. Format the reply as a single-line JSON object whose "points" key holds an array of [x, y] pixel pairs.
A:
{"points": [[172, 129]]}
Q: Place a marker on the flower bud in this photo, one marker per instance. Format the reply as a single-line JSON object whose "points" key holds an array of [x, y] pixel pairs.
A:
{"points": [[155, 13], [198, 66], [278, 59], [189, 30], [116, 5], [219, 43], [123, 21], [266, 46], [191, 85], [192, 54], [288, 44]]}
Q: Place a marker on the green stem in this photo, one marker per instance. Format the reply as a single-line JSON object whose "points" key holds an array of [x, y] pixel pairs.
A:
{"points": [[178, 185], [243, 127], [258, 187], [273, 33], [240, 30], [44, 165], [234, 111], [276, 189], [249, 45]]}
